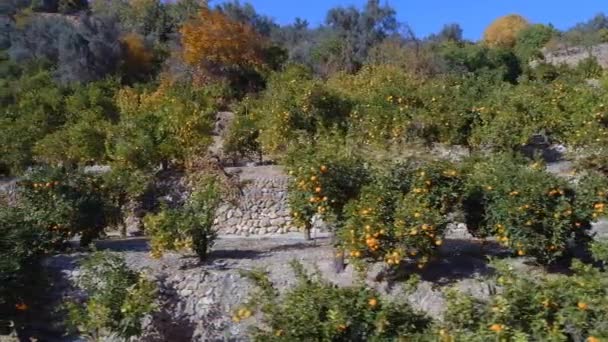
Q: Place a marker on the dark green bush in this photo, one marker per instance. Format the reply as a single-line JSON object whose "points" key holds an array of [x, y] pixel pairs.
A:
{"points": [[67, 203], [117, 298], [316, 310], [22, 243], [528, 209]]}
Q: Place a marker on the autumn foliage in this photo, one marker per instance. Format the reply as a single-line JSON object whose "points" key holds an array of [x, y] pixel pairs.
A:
{"points": [[138, 58], [213, 39], [504, 30]]}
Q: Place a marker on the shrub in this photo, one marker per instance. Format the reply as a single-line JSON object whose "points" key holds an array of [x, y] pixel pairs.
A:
{"points": [[324, 178], [33, 108], [23, 241], [528, 209], [532, 39], [316, 310], [189, 227], [66, 203], [242, 140], [122, 186], [171, 123], [117, 298], [528, 308], [402, 216], [294, 104], [589, 68]]}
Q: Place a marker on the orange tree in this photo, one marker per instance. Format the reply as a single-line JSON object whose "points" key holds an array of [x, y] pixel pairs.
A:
{"points": [[391, 106], [317, 310], [80, 140], [528, 209], [170, 124], [189, 227], [565, 111], [324, 177], [23, 241], [403, 214], [66, 203], [532, 308], [295, 104]]}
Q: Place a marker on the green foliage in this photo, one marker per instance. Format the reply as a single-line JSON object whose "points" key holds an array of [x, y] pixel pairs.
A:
{"points": [[66, 203], [589, 68], [528, 209], [316, 310], [172, 123], [295, 104], [189, 227], [499, 63], [122, 186], [532, 39], [243, 135], [391, 107], [22, 243], [403, 214], [564, 112], [117, 298], [324, 177], [599, 249], [33, 107], [546, 308]]}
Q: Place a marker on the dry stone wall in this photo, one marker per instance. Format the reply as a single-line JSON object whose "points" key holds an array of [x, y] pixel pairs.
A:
{"points": [[262, 207]]}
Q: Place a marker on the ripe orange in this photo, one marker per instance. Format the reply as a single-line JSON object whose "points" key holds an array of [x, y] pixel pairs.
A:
{"points": [[497, 327], [323, 168], [372, 302], [582, 306]]}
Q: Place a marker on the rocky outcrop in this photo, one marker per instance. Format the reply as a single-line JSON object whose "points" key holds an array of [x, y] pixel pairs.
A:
{"points": [[574, 55]]}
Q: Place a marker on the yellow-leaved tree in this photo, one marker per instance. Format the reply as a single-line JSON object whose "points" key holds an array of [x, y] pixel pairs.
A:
{"points": [[504, 30], [212, 40]]}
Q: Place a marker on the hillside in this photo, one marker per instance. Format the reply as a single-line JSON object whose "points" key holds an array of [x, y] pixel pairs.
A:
{"points": [[199, 171]]}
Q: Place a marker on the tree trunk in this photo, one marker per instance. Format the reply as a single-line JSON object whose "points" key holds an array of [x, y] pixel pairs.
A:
{"points": [[307, 230], [339, 263]]}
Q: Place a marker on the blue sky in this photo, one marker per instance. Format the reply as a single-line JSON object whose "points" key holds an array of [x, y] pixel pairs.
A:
{"points": [[428, 16]]}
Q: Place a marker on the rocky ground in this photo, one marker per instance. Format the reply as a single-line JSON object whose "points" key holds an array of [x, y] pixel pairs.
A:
{"points": [[197, 300]]}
